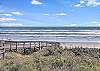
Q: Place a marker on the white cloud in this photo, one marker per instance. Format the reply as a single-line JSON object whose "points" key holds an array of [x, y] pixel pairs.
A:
{"points": [[17, 13], [36, 2], [82, 2], [96, 3], [95, 22], [92, 3], [78, 5], [88, 3], [56, 14], [98, 25], [89, 25], [61, 14], [11, 24], [46, 14], [7, 19], [5, 15], [71, 25]]}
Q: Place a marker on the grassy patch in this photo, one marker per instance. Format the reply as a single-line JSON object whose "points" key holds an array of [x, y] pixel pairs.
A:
{"points": [[53, 59]]}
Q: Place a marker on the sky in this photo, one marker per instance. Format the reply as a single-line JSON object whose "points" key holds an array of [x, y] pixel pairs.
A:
{"points": [[49, 12]]}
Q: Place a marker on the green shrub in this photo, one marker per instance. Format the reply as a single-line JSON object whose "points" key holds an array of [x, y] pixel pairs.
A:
{"points": [[53, 59]]}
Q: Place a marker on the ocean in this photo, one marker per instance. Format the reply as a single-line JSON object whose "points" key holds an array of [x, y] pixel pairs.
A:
{"points": [[58, 34]]}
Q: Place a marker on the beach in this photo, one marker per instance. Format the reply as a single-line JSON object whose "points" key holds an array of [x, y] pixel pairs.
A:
{"points": [[50, 49], [86, 37], [44, 44], [80, 45]]}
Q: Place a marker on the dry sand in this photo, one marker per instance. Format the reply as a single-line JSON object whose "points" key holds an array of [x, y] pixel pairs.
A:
{"points": [[80, 44], [63, 44]]}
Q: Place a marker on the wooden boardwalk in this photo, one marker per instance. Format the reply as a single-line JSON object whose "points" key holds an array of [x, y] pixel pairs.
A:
{"points": [[24, 46], [2, 50], [9, 46]]}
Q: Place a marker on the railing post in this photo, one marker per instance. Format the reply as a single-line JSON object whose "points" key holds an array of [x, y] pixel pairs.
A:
{"points": [[39, 45], [3, 54], [46, 43], [34, 45], [10, 46], [30, 44], [24, 47], [16, 46], [2, 49]]}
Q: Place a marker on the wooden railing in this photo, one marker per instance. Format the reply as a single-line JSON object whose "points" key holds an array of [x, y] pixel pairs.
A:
{"points": [[25, 45], [2, 49]]}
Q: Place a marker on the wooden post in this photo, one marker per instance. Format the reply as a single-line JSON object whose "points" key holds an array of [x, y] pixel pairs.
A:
{"points": [[46, 43], [57, 44], [34, 46], [3, 49], [24, 47], [39, 45], [3, 54], [3, 44], [10, 46], [30, 44], [16, 46]]}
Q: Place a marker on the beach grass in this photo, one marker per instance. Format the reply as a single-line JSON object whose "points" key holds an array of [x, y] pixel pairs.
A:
{"points": [[53, 59]]}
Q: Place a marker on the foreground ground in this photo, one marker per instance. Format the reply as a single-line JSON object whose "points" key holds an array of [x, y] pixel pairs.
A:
{"points": [[53, 59]]}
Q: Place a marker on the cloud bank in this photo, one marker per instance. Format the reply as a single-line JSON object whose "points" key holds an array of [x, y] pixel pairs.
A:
{"points": [[5, 14], [7, 19], [87, 3], [11, 24], [17, 13]]}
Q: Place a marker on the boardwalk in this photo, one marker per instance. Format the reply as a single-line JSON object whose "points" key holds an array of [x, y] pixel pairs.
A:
{"points": [[10, 46], [24, 46], [2, 50]]}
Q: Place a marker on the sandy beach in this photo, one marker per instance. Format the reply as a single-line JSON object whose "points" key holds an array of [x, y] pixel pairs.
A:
{"points": [[62, 44], [80, 44]]}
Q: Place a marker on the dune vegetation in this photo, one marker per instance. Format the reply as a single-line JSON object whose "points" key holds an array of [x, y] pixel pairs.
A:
{"points": [[53, 59]]}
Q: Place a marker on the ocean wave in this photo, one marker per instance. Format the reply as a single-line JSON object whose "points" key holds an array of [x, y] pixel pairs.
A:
{"points": [[62, 32]]}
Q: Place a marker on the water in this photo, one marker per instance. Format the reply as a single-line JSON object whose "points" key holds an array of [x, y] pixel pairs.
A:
{"points": [[59, 34]]}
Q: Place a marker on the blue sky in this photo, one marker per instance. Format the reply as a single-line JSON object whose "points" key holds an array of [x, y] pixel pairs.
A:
{"points": [[49, 12]]}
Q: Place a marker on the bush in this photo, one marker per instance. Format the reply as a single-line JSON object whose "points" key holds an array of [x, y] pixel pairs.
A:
{"points": [[53, 59]]}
